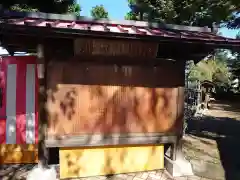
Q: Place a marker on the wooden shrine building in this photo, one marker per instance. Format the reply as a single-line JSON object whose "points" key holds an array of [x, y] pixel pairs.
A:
{"points": [[111, 93]]}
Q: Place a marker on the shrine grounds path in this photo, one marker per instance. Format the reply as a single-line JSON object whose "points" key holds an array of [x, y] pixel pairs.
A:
{"points": [[212, 143]]}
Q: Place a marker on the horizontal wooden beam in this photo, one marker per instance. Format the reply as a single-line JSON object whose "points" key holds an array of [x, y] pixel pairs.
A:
{"points": [[107, 140]]}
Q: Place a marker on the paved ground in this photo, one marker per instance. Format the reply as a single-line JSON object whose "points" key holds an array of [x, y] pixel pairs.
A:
{"points": [[225, 110], [20, 174], [151, 175], [212, 143]]}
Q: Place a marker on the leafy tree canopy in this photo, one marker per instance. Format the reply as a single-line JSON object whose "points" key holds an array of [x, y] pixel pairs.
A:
{"points": [[235, 22], [99, 12], [234, 62], [213, 70], [48, 6], [185, 12]]}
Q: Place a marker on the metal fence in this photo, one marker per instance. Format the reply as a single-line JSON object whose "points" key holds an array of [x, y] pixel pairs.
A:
{"points": [[193, 94], [192, 97], [192, 101]]}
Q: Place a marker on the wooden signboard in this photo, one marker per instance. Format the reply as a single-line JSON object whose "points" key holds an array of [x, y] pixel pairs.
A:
{"points": [[107, 47]]}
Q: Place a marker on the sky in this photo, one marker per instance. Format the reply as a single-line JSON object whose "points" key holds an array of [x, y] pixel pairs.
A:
{"points": [[117, 9]]}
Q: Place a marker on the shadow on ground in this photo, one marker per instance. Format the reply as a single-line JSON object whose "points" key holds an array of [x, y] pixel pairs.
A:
{"points": [[226, 132]]}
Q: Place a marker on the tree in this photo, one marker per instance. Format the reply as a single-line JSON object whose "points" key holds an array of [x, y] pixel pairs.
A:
{"points": [[234, 63], [99, 12], [74, 8], [131, 16], [185, 12], [235, 22], [48, 6], [214, 70]]}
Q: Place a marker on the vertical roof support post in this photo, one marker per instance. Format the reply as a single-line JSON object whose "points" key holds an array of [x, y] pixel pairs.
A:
{"points": [[40, 51], [42, 149], [175, 162], [214, 28]]}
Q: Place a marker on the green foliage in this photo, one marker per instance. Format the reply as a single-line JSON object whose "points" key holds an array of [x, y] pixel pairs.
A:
{"points": [[48, 6], [235, 22], [131, 16], [75, 9], [234, 62], [186, 12], [215, 70], [99, 12], [23, 8]]}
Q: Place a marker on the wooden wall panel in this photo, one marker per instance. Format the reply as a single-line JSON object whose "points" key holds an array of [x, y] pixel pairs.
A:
{"points": [[82, 162], [87, 98]]}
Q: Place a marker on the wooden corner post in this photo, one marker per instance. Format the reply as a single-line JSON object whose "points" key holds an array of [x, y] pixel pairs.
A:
{"points": [[42, 149]]}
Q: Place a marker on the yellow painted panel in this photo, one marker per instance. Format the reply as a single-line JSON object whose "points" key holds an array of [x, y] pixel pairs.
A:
{"points": [[82, 162], [10, 154]]}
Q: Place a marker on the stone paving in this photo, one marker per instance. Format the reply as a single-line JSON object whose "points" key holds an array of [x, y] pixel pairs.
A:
{"points": [[150, 175], [20, 173]]}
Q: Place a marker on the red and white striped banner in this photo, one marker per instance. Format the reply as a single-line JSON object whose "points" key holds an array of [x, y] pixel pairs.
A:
{"points": [[18, 109]]}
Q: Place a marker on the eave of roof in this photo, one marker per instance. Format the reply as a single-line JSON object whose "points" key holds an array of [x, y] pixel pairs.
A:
{"points": [[63, 25], [82, 19], [207, 82]]}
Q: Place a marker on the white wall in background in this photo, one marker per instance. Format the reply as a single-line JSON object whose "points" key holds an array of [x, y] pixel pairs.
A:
{"points": [[235, 83], [3, 51]]}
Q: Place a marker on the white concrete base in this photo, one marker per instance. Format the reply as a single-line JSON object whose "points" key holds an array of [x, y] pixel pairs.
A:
{"points": [[180, 167], [40, 173]]}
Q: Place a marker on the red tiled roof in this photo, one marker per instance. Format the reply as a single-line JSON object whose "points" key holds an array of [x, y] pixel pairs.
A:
{"points": [[126, 27]]}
